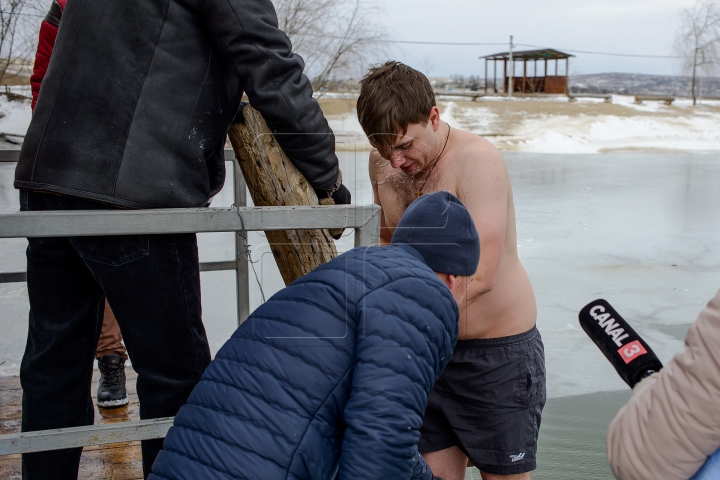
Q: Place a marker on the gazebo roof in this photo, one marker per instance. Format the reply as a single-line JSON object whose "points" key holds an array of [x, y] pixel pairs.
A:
{"points": [[547, 53]]}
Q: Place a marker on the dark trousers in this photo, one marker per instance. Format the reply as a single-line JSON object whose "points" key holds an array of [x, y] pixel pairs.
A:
{"points": [[152, 283]]}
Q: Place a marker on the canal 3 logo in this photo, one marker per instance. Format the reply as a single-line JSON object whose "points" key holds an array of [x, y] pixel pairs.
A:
{"points": [[628, 352], [517, 457]]}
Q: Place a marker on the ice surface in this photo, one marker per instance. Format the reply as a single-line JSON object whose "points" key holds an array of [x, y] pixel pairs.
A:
{"points": [[639, 229]]}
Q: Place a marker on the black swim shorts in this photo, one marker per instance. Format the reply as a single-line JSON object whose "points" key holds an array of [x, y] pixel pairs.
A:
{"points": [[489, 403]]}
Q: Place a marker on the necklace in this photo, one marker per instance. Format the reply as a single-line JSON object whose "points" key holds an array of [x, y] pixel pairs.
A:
{"points": [[419, 190]]}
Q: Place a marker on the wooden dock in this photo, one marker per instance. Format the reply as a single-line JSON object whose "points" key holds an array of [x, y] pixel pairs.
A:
{"points": [[120, 461]]}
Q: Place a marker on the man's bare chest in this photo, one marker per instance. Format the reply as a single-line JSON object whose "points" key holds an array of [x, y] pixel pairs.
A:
{"points": [[397, 191]]}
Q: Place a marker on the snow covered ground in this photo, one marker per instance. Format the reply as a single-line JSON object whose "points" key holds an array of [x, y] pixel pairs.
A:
{"points": [[540, 125], [553, 125]]}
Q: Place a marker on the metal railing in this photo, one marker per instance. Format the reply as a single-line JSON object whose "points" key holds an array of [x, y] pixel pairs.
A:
{"points": [[364, 219]]}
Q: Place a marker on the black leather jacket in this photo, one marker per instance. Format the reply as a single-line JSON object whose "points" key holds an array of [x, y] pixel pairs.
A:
{"points": [[139, 96]]}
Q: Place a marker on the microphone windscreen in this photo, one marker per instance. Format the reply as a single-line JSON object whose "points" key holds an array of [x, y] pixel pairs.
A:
{"points": [[632, 358]]}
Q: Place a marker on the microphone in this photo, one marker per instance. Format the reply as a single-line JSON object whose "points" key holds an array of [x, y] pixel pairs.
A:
{"points": [[632, 358]]}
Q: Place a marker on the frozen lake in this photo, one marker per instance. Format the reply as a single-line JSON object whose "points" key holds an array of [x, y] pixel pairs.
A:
{"points": [[641, 230]]}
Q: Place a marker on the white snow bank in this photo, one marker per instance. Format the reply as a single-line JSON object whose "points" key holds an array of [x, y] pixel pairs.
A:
{"points": [[584, 134]]}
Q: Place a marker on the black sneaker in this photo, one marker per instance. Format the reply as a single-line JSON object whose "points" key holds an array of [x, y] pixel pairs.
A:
{"points": [[111, 389]]}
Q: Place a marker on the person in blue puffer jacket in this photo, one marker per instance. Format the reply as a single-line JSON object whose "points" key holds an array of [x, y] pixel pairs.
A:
{"points": [[331, 376]]}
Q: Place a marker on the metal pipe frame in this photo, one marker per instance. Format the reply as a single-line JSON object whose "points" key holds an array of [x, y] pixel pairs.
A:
{"points": [[364, 219]]}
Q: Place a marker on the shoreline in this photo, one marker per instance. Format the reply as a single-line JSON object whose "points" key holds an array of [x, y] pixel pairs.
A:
{"points": [[555, 125]]}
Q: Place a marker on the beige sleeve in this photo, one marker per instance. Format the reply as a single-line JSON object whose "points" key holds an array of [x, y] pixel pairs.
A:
{"points": [[672, 422]]}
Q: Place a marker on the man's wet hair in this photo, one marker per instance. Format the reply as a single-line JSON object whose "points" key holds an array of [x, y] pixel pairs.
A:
{"points": [[392, 96]]}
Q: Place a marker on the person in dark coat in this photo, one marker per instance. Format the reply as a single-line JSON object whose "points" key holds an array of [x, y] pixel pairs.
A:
{"points": [[331, 376], [133, 112]]}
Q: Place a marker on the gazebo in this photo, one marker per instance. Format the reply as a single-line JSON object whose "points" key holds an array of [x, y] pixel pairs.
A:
{"points": [[529, 84]]}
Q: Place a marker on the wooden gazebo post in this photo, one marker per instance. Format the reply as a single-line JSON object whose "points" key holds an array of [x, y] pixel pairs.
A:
{"points": [[495, 75], [567, 74], [486, 77], [505, 81]]}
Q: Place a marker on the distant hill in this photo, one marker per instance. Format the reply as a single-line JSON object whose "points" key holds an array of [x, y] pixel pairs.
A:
{"points": [[634, 84]]}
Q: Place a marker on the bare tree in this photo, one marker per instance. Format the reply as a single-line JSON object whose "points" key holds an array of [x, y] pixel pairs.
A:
{"points": [[10, 12], [697, 41], [336, 38]]}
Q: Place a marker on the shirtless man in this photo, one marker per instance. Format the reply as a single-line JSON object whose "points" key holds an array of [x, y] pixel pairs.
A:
{"points": [[487, 405]]}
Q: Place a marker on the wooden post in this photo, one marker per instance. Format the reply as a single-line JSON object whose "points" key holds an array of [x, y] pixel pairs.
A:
{"points": [[511, 81], [545, 79], [486, 77], [567, 74], [524, 75], [495, 76], [556, 67], [506, 85], [274, 181]]}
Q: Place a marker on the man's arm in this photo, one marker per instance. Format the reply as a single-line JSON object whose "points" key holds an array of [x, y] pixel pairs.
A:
{"points": [[46, 42], [482, 185], [377, 174], [397, 363], [247, 35]]}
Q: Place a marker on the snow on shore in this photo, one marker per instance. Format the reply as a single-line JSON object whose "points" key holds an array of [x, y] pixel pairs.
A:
{"points": [[547, 125], [552, 125], [563, 134]]}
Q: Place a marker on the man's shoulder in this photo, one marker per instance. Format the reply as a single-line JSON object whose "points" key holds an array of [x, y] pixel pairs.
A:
{"points": [[390, 263], [377, 254], [475, 146], [474, 153]]}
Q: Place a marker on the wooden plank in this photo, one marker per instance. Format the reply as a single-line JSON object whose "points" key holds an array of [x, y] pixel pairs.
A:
{"points": [[668, 99], [273, 180], [607, 97], [121, 461], [452, 93], [180, 220]]}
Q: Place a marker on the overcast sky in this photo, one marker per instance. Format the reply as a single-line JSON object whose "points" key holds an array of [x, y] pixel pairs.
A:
{"points": [[615, 26]]}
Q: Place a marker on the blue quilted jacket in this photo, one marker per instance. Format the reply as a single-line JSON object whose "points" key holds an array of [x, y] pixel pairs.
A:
{"points": [[329, 377]]}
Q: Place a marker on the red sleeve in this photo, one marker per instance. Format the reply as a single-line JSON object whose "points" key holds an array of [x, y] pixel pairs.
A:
{"points": [[42, 58], [46, 42]]}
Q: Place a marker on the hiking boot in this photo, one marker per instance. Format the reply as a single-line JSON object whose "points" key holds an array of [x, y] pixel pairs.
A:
{"points": [[111, 389]]}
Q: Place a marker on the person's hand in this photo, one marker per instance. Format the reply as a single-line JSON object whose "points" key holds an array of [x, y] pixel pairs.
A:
{"points": [[341, 196], [239, 117]]}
